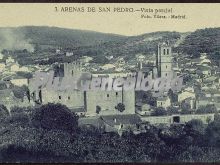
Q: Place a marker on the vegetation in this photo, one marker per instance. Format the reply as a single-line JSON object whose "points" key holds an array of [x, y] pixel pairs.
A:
{"points": [[160, 111], [45, 40], [50, 133], [120, 107], [20, 92], [202, 41], [206, 109]]}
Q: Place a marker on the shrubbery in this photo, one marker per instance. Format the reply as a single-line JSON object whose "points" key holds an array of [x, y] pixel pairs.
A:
{"points": [[50, 133]]}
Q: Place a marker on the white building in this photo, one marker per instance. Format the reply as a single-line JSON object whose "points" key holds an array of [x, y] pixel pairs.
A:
{"points": [[86, 59], [108, 66], [69, 54], [163, 102], [9, 60], [186, 93], [24, 69], [1, 56], [145, 110], [2, 67], [19, 81], [14, 67]]}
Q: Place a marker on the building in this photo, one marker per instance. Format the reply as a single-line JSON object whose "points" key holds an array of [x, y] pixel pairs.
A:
{"points": [[204, 101], [9, 100], [9, 60], [120, 123], [93, 102], [2, 67], [163, 102], [108, 66], [72, 98], [178, 119], [143, 110], [14, 67], [164, 60], [23, 69], [68, 54], [86, 59], [1, 56], [186, 93], [204, 71], [19, 81], [106, 102]]}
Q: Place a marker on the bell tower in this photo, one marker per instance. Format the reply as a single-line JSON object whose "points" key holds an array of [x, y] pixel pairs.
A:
{"points": [[164, 60]]}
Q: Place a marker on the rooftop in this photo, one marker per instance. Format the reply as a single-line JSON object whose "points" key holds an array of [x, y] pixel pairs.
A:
{"points": [[121, 119]]}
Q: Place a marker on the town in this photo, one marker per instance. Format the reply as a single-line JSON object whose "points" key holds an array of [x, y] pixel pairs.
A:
{"points": [[199, 97]]}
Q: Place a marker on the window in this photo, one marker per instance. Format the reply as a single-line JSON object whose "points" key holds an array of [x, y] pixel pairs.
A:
{"points": [[60, 97], [168, 51], [72, 72], [161, 103], [166, 74], [107, 95], [166, 66], [164, 51], [68, 97], [116, 93]]}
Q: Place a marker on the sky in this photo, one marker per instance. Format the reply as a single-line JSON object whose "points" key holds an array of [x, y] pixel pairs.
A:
{"points": [[198, 16]]}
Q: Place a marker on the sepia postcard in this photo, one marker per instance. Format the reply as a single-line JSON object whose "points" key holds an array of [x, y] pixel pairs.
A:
{"points": [[109, 83]]}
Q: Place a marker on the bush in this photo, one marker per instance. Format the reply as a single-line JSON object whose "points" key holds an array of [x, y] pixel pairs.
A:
{"points": [[4, 113], [55, 116], [159, 112], [206, 109]]}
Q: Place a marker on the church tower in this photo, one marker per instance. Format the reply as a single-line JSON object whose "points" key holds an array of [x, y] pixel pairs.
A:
{"points": [[164, 60]]}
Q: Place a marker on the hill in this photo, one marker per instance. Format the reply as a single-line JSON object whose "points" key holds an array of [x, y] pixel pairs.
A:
{"points": [[145, 44], [43, 41], [202, 41], [46, 37], [99, 45]]}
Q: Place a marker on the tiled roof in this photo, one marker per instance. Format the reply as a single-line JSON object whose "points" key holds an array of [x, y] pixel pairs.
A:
{"points": [[121, 119], [162, 98], [95, 121]]}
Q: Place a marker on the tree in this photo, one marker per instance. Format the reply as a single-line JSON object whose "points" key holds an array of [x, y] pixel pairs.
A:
{"points": [[212, 134], [185, 108], [172, 110], [173, 97], [20, 92], [160, 111], [3, 86], [196, 126], [148, 98], [206, 109], [55, 117], [120, 107], [4, 113], [25, 74], [196, 130], [19, 116]]}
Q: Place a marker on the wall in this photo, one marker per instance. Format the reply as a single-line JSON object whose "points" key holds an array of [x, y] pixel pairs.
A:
{"points": [[72, 99], [183, 118], [107, 100]]}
